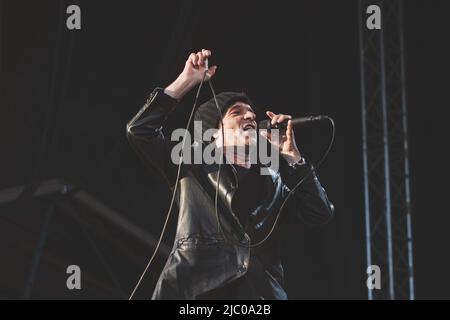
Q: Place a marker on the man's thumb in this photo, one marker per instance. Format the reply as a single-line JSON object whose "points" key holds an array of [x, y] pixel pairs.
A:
{"points": [[212, 71]]}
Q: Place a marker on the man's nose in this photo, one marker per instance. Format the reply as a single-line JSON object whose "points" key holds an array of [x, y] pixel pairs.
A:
{"points": [[250, 115]]}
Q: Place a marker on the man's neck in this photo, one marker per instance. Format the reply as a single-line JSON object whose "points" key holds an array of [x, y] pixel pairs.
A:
{"points": [[238, 156]]}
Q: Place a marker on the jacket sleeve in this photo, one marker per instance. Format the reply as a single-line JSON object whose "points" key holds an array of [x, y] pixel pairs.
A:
{"points": [[145, 134], [309, 203]]}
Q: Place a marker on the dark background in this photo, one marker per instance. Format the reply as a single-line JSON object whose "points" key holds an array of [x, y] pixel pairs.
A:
{"points": [[66, 97]]}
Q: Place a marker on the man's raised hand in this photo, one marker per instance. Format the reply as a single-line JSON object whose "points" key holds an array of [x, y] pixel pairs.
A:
{"points": [[192, 74]]}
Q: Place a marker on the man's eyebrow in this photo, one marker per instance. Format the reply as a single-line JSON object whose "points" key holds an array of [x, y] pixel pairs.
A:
{"points": [[240, 105], [232, 108]]}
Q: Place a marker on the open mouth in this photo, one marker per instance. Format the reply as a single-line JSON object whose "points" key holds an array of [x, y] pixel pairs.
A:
{"points": [[248, 126]]}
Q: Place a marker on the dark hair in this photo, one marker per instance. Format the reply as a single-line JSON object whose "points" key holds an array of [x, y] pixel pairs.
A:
{"points": [[208, 114]]}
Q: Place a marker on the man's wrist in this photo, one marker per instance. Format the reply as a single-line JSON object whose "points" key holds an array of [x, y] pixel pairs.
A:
{"points": [[300, 162], [292, 158], [291, 173], [179, 88]]}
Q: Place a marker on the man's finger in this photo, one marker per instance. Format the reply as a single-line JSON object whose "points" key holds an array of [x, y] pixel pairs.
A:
{"points": [[206, 53], [270, 114], [273, 117], [276, 119], [191, 58], [212, 71], [195, 59], [289, 130], [200, 59], [283, 117]]}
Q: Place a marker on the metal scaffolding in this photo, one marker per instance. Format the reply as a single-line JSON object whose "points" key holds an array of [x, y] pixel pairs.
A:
{"points": [[100, 225], [385, 151]]}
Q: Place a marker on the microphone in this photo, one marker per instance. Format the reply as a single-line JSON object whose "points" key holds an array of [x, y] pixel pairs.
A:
{"points": [[265, 124]]}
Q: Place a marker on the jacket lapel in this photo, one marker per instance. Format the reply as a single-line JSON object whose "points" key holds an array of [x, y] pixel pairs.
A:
{"points": [[227, 189], [227, 185]]}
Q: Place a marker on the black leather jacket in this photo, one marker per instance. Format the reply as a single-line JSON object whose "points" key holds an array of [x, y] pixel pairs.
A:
{"points": [[202, 259]]}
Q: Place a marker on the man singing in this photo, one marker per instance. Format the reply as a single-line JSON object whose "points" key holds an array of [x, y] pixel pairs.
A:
{"points": [[214, 255]]}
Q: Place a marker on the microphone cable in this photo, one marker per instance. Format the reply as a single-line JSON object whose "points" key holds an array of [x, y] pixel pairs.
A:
{"points": [[219, 224], [310, 172], [291, 192], [172, 201]]}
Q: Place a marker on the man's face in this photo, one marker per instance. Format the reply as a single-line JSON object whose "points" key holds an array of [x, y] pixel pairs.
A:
{"points": [[239, 125]]}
